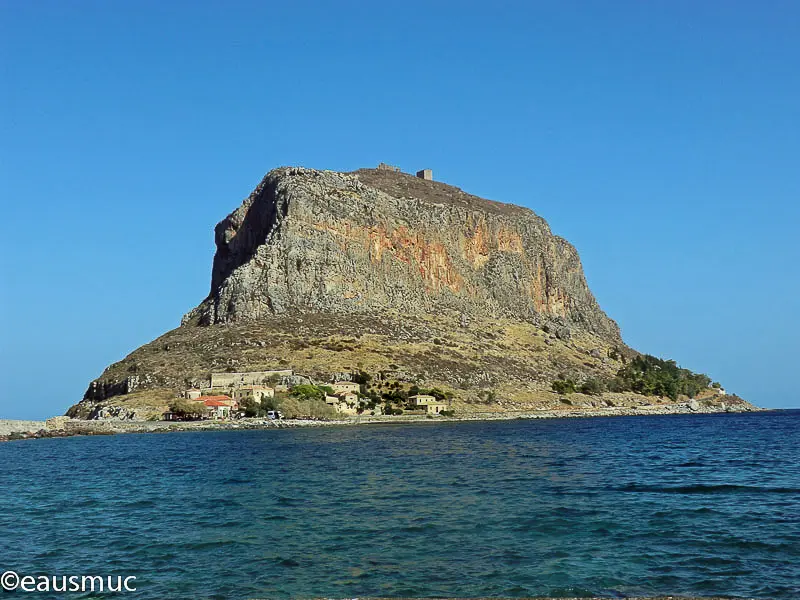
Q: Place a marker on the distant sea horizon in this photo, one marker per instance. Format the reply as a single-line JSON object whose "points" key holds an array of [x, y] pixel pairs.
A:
{"points": [[695, 505]]}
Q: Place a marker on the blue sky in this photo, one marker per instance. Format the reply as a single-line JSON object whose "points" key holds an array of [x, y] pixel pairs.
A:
{"points": [[661, 138]]}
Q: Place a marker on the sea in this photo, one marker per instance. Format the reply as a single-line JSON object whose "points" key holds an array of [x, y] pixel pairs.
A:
{"points": [[695, 505]]}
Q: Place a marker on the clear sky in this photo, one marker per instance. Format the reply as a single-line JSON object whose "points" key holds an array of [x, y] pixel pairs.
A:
{"points": [[661, 138]]}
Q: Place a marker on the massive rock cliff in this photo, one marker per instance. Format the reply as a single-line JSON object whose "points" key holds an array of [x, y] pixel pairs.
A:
{"points": [[320, 241]]}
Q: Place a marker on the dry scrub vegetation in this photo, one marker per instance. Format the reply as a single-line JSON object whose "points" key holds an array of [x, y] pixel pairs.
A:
{"points": [[485, 363]]}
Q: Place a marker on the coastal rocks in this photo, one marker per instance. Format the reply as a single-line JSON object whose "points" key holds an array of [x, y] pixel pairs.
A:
{"points": [[52, 428], [10, 426], [570, 410], [34, 435], [56, 423], [117, 413]]}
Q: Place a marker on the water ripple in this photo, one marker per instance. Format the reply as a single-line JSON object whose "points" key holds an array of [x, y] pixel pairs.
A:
{"points": [[697, 504]]}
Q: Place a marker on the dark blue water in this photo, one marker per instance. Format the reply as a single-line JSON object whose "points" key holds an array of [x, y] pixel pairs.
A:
{"points": [[701, 505]]}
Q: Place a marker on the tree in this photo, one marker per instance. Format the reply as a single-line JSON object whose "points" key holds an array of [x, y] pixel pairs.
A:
{"points": [[252, 408], [437, 393], [187, 408], [307, 391], [395, 396], [269, 403]]}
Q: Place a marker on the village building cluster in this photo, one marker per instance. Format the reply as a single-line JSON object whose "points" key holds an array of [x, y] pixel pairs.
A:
{"points": [[227, 394], [345, 399], [430, 404]]}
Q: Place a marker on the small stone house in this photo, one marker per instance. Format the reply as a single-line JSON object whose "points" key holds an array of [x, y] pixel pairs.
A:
{"points": [[192, 394], [349, 398], [429, 404], [341, 405], [253, 392], [421, 400], [346, 387], [218, 407]]}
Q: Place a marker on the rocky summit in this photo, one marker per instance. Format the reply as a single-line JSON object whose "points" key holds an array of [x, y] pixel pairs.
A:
{"points": [[408, 281], [318, 241]]}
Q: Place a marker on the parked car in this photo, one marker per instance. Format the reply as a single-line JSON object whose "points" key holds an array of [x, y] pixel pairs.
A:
{"points": [[274, 414]]}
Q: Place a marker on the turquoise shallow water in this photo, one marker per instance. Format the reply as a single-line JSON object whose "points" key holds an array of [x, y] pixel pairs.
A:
{"points": [[704, 505]]}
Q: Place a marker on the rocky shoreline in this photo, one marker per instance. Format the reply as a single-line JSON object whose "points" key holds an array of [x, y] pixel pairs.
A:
{"points": [[66, 427]]}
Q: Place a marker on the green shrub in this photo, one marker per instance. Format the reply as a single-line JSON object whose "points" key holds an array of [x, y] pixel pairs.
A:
{"points": [[487, 396], [362, 378], [301, 408], [307, 391], [395, 396], [435, 392], [564, 386], [252, 408], [593, 387]]}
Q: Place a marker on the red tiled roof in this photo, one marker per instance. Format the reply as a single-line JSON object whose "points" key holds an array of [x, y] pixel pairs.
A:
{"points": [[205, 398], [216, 403]]}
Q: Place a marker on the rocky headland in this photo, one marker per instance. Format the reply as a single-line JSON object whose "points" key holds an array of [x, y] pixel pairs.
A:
{"points": [[398, 281]]}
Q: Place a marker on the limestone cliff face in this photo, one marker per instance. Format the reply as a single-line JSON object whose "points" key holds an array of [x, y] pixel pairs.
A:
{"points": [[370, 241]]}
